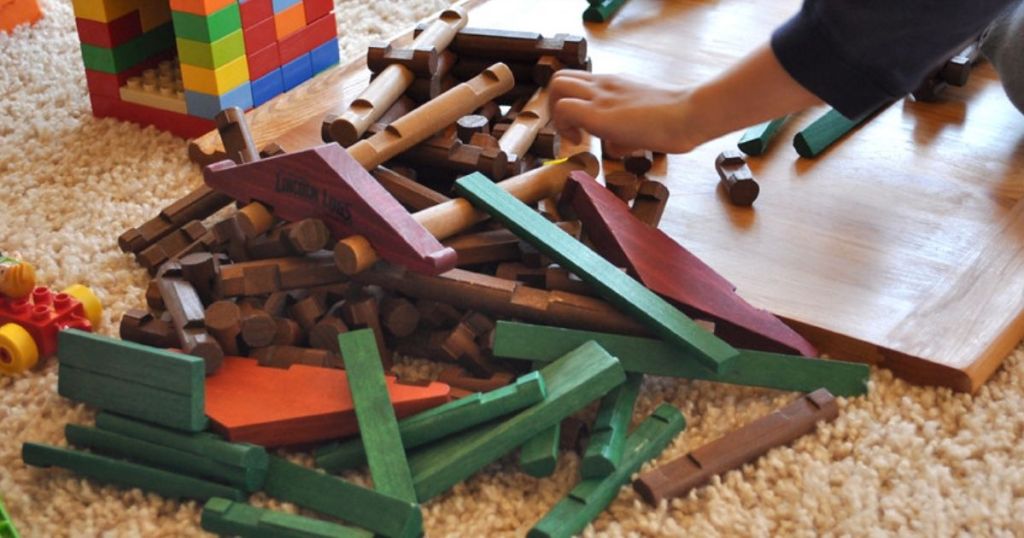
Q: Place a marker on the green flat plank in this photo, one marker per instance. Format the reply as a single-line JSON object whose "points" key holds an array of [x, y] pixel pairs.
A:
{"points": [[825, 131], [580, 377], [572, 514], [643, 355], [538, 456], [211, 55], [7, 529], [439, 422], [332, 496], [755, 140], [378, 427], [205, 444], [608, 438], [230, 518], [170, 459], [207, 28], [126, 474], [130, 54], [602, 11], [142, 365], [127, 398], [613, 284]]}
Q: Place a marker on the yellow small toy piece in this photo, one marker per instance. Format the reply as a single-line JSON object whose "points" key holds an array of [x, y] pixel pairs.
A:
{"points": [[18, 351], [91, 303], [17, 278]]}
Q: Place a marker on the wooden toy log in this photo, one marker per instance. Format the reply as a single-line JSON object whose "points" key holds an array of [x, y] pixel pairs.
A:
{"points": [[649, 204], [664, 266], [433, 116], [524, 129], [392, 82], [409, 192], [356, 254], [504, 45], [676, 478], [188, 316], [736, 178]]}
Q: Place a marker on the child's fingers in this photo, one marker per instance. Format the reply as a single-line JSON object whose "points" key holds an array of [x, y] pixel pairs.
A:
{"points": [[570, 88], [570, 117]]}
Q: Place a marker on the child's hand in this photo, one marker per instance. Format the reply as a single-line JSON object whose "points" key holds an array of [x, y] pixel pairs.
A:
{"points": [[624, 113]]}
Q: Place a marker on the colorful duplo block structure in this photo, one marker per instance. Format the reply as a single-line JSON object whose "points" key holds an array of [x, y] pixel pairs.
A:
{"points": [[175, 64]]}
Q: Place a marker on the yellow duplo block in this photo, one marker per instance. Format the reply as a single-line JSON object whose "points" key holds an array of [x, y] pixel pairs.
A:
{"points": [[105, 10], [290, 21], [216, 81], [154, 13]]}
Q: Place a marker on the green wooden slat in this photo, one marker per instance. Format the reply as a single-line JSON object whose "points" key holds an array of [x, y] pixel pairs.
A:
{"points": [[441, 421], [586, 501], [230, 518], [143, 365], [378, 426], [178, 461], [643, 355], [573, 381], [755, 140], [602, 10], [539, 455], [128, 398], [7, 529], [825, 131], [335, 497], [126, 474], [613, 284], [608, 438]]}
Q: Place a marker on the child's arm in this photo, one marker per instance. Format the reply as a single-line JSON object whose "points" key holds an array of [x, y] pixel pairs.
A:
{"points": [[629, 115]]}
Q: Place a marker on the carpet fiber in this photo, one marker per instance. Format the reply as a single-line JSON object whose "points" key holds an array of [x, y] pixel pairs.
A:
{"points": [[904, 460]]}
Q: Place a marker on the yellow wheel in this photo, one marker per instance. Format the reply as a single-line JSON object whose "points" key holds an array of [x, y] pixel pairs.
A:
{"points": [[18, 351], [91, 304]]}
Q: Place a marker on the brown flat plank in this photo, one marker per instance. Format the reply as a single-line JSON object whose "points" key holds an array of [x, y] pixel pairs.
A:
{"points": [[903, 245]]}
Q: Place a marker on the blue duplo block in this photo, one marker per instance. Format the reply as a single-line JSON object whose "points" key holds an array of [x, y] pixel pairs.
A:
{"points": [[267, 87], [325, 56], [281, 5], [207, 106], [296, 72]]}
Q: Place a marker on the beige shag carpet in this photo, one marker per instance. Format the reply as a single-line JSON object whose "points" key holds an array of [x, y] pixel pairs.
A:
{"points": [[905, 460]]}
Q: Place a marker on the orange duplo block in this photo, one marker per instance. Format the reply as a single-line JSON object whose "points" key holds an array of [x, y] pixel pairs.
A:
{"points": [[15, 12], [290, 21], [200, 7], [301, 404]]}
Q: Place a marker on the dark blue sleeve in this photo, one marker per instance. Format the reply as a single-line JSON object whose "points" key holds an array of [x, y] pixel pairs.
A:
{"points": [[857, 54]]}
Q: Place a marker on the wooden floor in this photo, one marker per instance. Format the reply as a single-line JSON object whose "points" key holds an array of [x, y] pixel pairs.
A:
{"points": [[903, 245]]}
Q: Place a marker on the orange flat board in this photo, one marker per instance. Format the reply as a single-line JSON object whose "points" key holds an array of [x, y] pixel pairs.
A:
{"points": [[903, 245], [302, 404]]}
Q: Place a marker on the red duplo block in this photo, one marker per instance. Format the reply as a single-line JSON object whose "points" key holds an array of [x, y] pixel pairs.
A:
{"points": [[181, 125], [301, 404], [668, 269], [109, 34], [43, 314], [255, 11], [259, 36], [317, 33], [263, 61], [315, 9]]}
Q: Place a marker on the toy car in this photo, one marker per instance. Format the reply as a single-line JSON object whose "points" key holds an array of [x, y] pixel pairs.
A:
{"points": [[31, 316]]}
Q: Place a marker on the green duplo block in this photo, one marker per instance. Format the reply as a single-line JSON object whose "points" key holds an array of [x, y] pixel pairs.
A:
{"points": [[523, 341], [211, 55], [372, 510], [755, 141], [123, 446], [572, 514], [825, 131], [441, 421], [229, 518], [7, 529], [126, 474], [602, 10], [608, 438], [538, 457], [130, 54], [612, 284], [207, 28], [580, 377], [378, 427]]}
